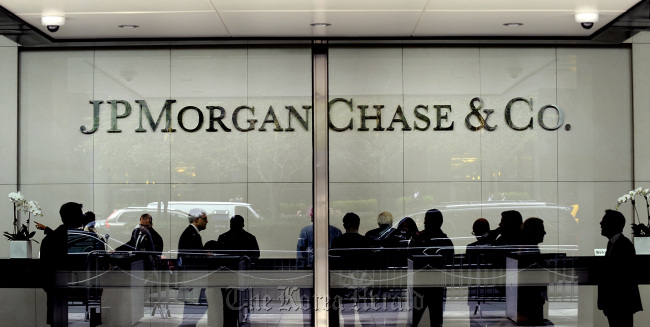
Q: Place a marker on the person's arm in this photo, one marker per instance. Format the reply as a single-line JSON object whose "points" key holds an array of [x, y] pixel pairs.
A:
{"points": [[256, 249], [158, 242], [130, 245], [301, 248]]}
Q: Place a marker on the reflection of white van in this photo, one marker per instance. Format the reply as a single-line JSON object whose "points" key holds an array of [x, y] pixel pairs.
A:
{"points": [[219, 213]]}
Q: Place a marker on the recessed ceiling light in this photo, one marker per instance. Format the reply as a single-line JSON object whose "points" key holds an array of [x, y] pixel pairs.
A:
{"points": [[128, 26], [513, 24], [321, 24], [587, 17]]}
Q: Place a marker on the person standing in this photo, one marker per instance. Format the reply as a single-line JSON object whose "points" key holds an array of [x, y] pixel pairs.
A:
{"points": [[305, 260], [190, 244], [236, 242], [431, 241], [618, 290], [350, 251], [54, 263], [144, 237], [385, 222], [305, 246], [531, 299]]}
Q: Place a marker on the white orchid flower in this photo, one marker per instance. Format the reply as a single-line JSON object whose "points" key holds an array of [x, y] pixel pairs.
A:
{"points": [[35, 208], [17, 198], [638, 190]]}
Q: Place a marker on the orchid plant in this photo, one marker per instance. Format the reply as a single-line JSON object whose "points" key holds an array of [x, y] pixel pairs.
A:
{"points": [[30, 208], [639, 229]]}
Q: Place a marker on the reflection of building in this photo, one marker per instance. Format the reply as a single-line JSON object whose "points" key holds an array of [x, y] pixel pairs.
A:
{"points": [[409, 83]]}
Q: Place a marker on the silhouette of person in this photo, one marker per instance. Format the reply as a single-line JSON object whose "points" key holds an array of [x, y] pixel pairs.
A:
{"points": [[54, 258], [618, 290], [239, 242], [305, 260], [351, 246], [385, 222], [509, 228], [190, 244], [507, 242], [349, 251], [391, 251], [144, 238], [531, 299], [476, 256], [396, 242], [305, 246], [431, 241], [474, 250]]}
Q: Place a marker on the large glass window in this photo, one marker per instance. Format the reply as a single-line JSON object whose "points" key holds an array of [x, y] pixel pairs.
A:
{"points": [[165, 132], [472, 132]]}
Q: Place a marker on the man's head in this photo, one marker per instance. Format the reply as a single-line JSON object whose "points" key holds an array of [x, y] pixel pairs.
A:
{"points": [[385, 218], [613, 223], [480, 227], [71, 214], [88, 219], [237, 222], [433, 219], [198, 217], [351, 221], [146, 220], [511, 221], [532, 231]]}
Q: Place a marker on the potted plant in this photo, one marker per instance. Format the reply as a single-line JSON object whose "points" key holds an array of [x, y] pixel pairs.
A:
{"points": [[20, 245], [640, 231]]}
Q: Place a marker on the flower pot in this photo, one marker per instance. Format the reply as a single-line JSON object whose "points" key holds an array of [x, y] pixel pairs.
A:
{"points": [[20, 249], [642, 245]]}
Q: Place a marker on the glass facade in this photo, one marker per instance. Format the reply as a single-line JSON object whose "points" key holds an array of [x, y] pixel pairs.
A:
{"points": [[472, 131]]}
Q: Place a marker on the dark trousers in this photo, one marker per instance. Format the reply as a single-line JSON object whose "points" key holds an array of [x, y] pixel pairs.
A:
{"points": [[231, 306], [620, 319], [57, 306], [432, 298]]}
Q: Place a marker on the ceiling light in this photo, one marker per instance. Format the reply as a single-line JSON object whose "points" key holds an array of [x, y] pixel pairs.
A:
{"points": [[128, 26], [587, 17], [321, 24], [53, 22], [513, 24]]}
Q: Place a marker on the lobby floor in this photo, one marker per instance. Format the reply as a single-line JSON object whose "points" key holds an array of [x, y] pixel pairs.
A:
{"points": [[561, 314]]}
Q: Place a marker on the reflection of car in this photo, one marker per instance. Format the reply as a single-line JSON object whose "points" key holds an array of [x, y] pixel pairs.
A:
{"points": [[120, 224], [219, 213], [560, 222]]}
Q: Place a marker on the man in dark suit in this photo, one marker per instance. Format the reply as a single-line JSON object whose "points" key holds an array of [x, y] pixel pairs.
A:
{"points": [[144, 237], [385, 222], [431, 241], [618, 290], [236, 242], [190, 244], [54, 260], [350, 251]]}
